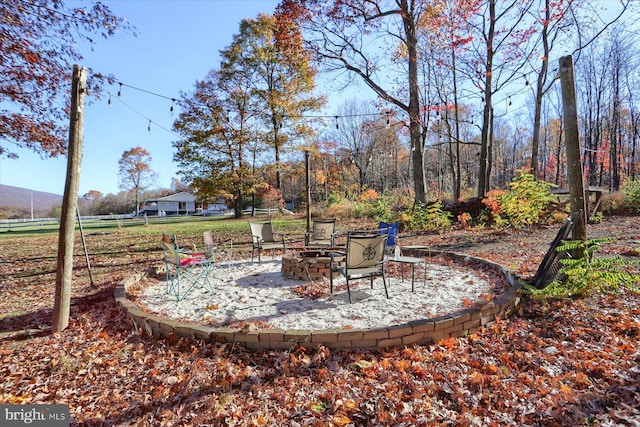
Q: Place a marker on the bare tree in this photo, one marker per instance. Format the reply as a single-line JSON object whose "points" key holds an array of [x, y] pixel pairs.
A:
{"points": [[377, 42]]}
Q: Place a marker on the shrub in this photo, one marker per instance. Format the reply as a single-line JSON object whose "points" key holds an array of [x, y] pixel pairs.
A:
{"points": [[585, 273], [368, 196], [523, 204], [427, 217], [631, 195]]}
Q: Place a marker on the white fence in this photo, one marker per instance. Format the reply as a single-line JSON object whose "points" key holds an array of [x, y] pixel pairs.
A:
{"points": [[96, 221], [124, 220]]}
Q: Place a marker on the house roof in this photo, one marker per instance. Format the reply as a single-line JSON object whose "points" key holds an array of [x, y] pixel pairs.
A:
{"points": [[178, 197]]}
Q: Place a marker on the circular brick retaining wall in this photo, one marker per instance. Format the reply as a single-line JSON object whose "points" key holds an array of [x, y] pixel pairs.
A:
{"points": [[419, 331]]}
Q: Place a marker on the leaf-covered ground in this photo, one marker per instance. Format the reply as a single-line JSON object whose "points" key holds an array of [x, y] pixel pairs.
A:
{"points": [[567, 362]]}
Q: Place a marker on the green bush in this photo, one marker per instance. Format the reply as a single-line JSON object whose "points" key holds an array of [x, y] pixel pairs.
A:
{"points": [[426, 217], [585, 273], [525, 202], [631, 195]]}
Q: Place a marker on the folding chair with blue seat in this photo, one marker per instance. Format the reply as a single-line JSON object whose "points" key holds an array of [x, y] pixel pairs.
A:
{"points": [[394, 251], [184, 268], [364, 258], [392, 231]]}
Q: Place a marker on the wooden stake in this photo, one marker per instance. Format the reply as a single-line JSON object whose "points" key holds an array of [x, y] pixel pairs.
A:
{"points": [[64, 272], [307, 174], [572, 141]]}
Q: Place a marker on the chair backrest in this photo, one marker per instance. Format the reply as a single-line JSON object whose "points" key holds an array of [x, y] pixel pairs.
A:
{"points": [[323, 229], [392, 230], [262, 231], [207, 238], [365, 249], [170, 249]]}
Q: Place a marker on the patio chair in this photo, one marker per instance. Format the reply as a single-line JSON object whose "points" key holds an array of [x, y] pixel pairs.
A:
{"points": [[222, 249], [549, 269], [322, 234], [184, 269], [392, 229], [264, 238], [364, 258]]}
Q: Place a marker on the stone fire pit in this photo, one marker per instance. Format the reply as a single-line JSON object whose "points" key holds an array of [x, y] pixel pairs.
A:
{"points": [[310, 265]]}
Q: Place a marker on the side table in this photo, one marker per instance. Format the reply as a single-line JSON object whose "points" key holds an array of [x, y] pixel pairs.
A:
{"points": [[411, 261]]}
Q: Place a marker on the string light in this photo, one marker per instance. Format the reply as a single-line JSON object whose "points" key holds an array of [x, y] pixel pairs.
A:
{"points": [[307, 117], [318, 117], [122, 101]]}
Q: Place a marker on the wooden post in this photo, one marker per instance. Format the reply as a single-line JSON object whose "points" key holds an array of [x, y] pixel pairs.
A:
{"points": [[308, 184], [572, 142], [64, 272]]}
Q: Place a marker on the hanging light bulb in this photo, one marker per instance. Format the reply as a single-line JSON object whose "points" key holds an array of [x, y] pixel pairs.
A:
{"points": [[109, 102], [149, 127], [337, 125], [120, 91], [171, 108], [509, 101]]}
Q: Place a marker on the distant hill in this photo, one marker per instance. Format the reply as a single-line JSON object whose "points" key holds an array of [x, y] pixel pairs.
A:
{"points": [[16, 202]]}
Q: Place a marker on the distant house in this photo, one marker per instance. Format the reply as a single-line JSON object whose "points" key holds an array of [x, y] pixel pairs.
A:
{"points": [[180, 204], [175, 204]]}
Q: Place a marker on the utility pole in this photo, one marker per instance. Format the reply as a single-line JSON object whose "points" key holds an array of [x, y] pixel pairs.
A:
{"points": [[572, 143], [307, 174], [64, 271]]}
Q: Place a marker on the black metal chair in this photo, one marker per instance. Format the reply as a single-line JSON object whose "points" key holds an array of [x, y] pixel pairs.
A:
{"points": [[364, 258]]}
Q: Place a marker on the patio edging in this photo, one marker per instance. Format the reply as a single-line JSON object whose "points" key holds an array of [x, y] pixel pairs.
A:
{"points": [[419, 331]]}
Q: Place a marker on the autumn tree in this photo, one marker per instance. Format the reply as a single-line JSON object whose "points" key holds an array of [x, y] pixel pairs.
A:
{"points": [[282, 82], [91, 199], [375, 41], [177, 186], [135, 173], [39, 41], [216, 131]]}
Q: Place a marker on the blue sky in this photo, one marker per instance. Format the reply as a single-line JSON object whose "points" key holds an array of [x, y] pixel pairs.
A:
{"points": [[178, 42]]}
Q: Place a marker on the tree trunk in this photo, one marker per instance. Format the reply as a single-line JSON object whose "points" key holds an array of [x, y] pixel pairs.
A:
{"points": [[542, 78], [487, 117], [64, 271], [415, 125], [572, 141]]}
